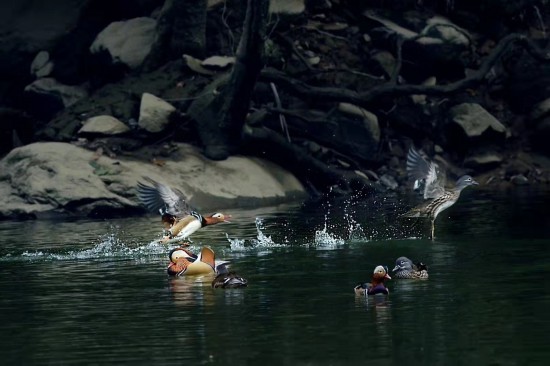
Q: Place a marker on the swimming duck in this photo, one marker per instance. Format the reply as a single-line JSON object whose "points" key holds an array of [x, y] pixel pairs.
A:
{"points": [[184, 262], [376, 286], [405, 268], [427, 176], [180, 220], [228, 279]]}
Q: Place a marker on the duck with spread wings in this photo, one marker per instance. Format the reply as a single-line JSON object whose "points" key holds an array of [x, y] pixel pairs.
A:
{"points": [[178, 217], [431, 181]]}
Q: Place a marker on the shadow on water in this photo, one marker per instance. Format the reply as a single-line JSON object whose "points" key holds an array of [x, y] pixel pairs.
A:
{"points": [[96, 291]]}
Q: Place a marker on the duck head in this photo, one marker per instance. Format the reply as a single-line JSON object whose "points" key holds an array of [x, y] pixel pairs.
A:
{"points": [[403, 264], [465, 181], [381, 273], [216, 218], [179, 253]]}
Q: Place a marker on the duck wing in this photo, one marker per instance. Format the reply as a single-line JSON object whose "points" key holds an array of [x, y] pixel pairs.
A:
{"points": [[158, 197], [426, 174]]}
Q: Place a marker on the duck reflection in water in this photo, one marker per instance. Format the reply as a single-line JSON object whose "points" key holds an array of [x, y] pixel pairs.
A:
{"points": [[192, 290]]}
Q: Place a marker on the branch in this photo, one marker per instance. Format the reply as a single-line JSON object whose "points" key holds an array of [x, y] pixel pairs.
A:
{"points": [[373, 95], [301, 163]]}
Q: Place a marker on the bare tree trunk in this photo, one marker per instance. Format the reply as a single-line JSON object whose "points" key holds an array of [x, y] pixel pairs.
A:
{"points": [[181, 29], [220, 123]]}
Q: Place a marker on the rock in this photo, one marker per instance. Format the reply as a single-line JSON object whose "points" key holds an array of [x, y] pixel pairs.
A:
{"points": [[127, 42], [370, 118], [439, 52], [41, 66], [474, 120], [517, 167], [483, 161], [66, 94], [385, 62], [442, 28], [289, 7], [388, 181], [421, 98], [540, 110], [154, 113], [103, 125], [43, 177], [218, 62], [519, 180]]}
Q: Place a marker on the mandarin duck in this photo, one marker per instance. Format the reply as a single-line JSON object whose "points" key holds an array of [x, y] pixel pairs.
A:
{"points": [[179, 219], [431, 181], [376, 286], [228, 279], [184, 262], [405, 268]]}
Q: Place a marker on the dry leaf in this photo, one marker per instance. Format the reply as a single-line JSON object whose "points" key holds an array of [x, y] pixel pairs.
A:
{"points": [[195, 65]]}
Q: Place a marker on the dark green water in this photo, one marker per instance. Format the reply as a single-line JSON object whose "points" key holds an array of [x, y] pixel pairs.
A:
{"points": [[96, 292]]}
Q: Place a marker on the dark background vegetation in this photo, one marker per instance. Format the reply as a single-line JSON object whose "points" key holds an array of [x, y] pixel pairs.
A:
{"points": [[333, 92]]}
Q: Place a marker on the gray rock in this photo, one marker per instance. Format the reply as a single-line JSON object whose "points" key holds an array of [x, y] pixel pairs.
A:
{"points": [[128, 42], [385, 61], [485, 160], [442, 28], [474, 120], [389, 182], [519, 180], [289, 7], [103, 125], [43, 177], [540, 110], [154, 113], [41, 66], [370, 119], [67, 94]]}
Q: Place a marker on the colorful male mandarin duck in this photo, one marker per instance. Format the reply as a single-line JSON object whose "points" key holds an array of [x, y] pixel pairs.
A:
{"points": [[376, 286], [179, 218], [183, 262], [405, 268], [427, 177]]}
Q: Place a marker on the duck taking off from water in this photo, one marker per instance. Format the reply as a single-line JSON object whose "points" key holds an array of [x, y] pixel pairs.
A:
{"points": [[405, 268], [376, 286], [431, 182], [178, 217]]}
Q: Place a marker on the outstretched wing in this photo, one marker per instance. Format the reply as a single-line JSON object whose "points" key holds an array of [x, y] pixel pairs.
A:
{"points": [[426, 174], [158, 197]]}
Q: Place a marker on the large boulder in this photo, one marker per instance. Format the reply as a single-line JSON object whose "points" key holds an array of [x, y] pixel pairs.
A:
{"points": [[474, 120], [127, 42], [471, 127], [54, 177]]}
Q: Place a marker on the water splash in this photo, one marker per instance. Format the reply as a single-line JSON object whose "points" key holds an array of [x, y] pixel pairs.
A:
{"points": [[109, 246], [327, 240], [261, 241]]}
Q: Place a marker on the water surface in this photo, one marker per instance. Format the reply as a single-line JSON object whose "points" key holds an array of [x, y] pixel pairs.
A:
{"points": [[97, 292]]}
